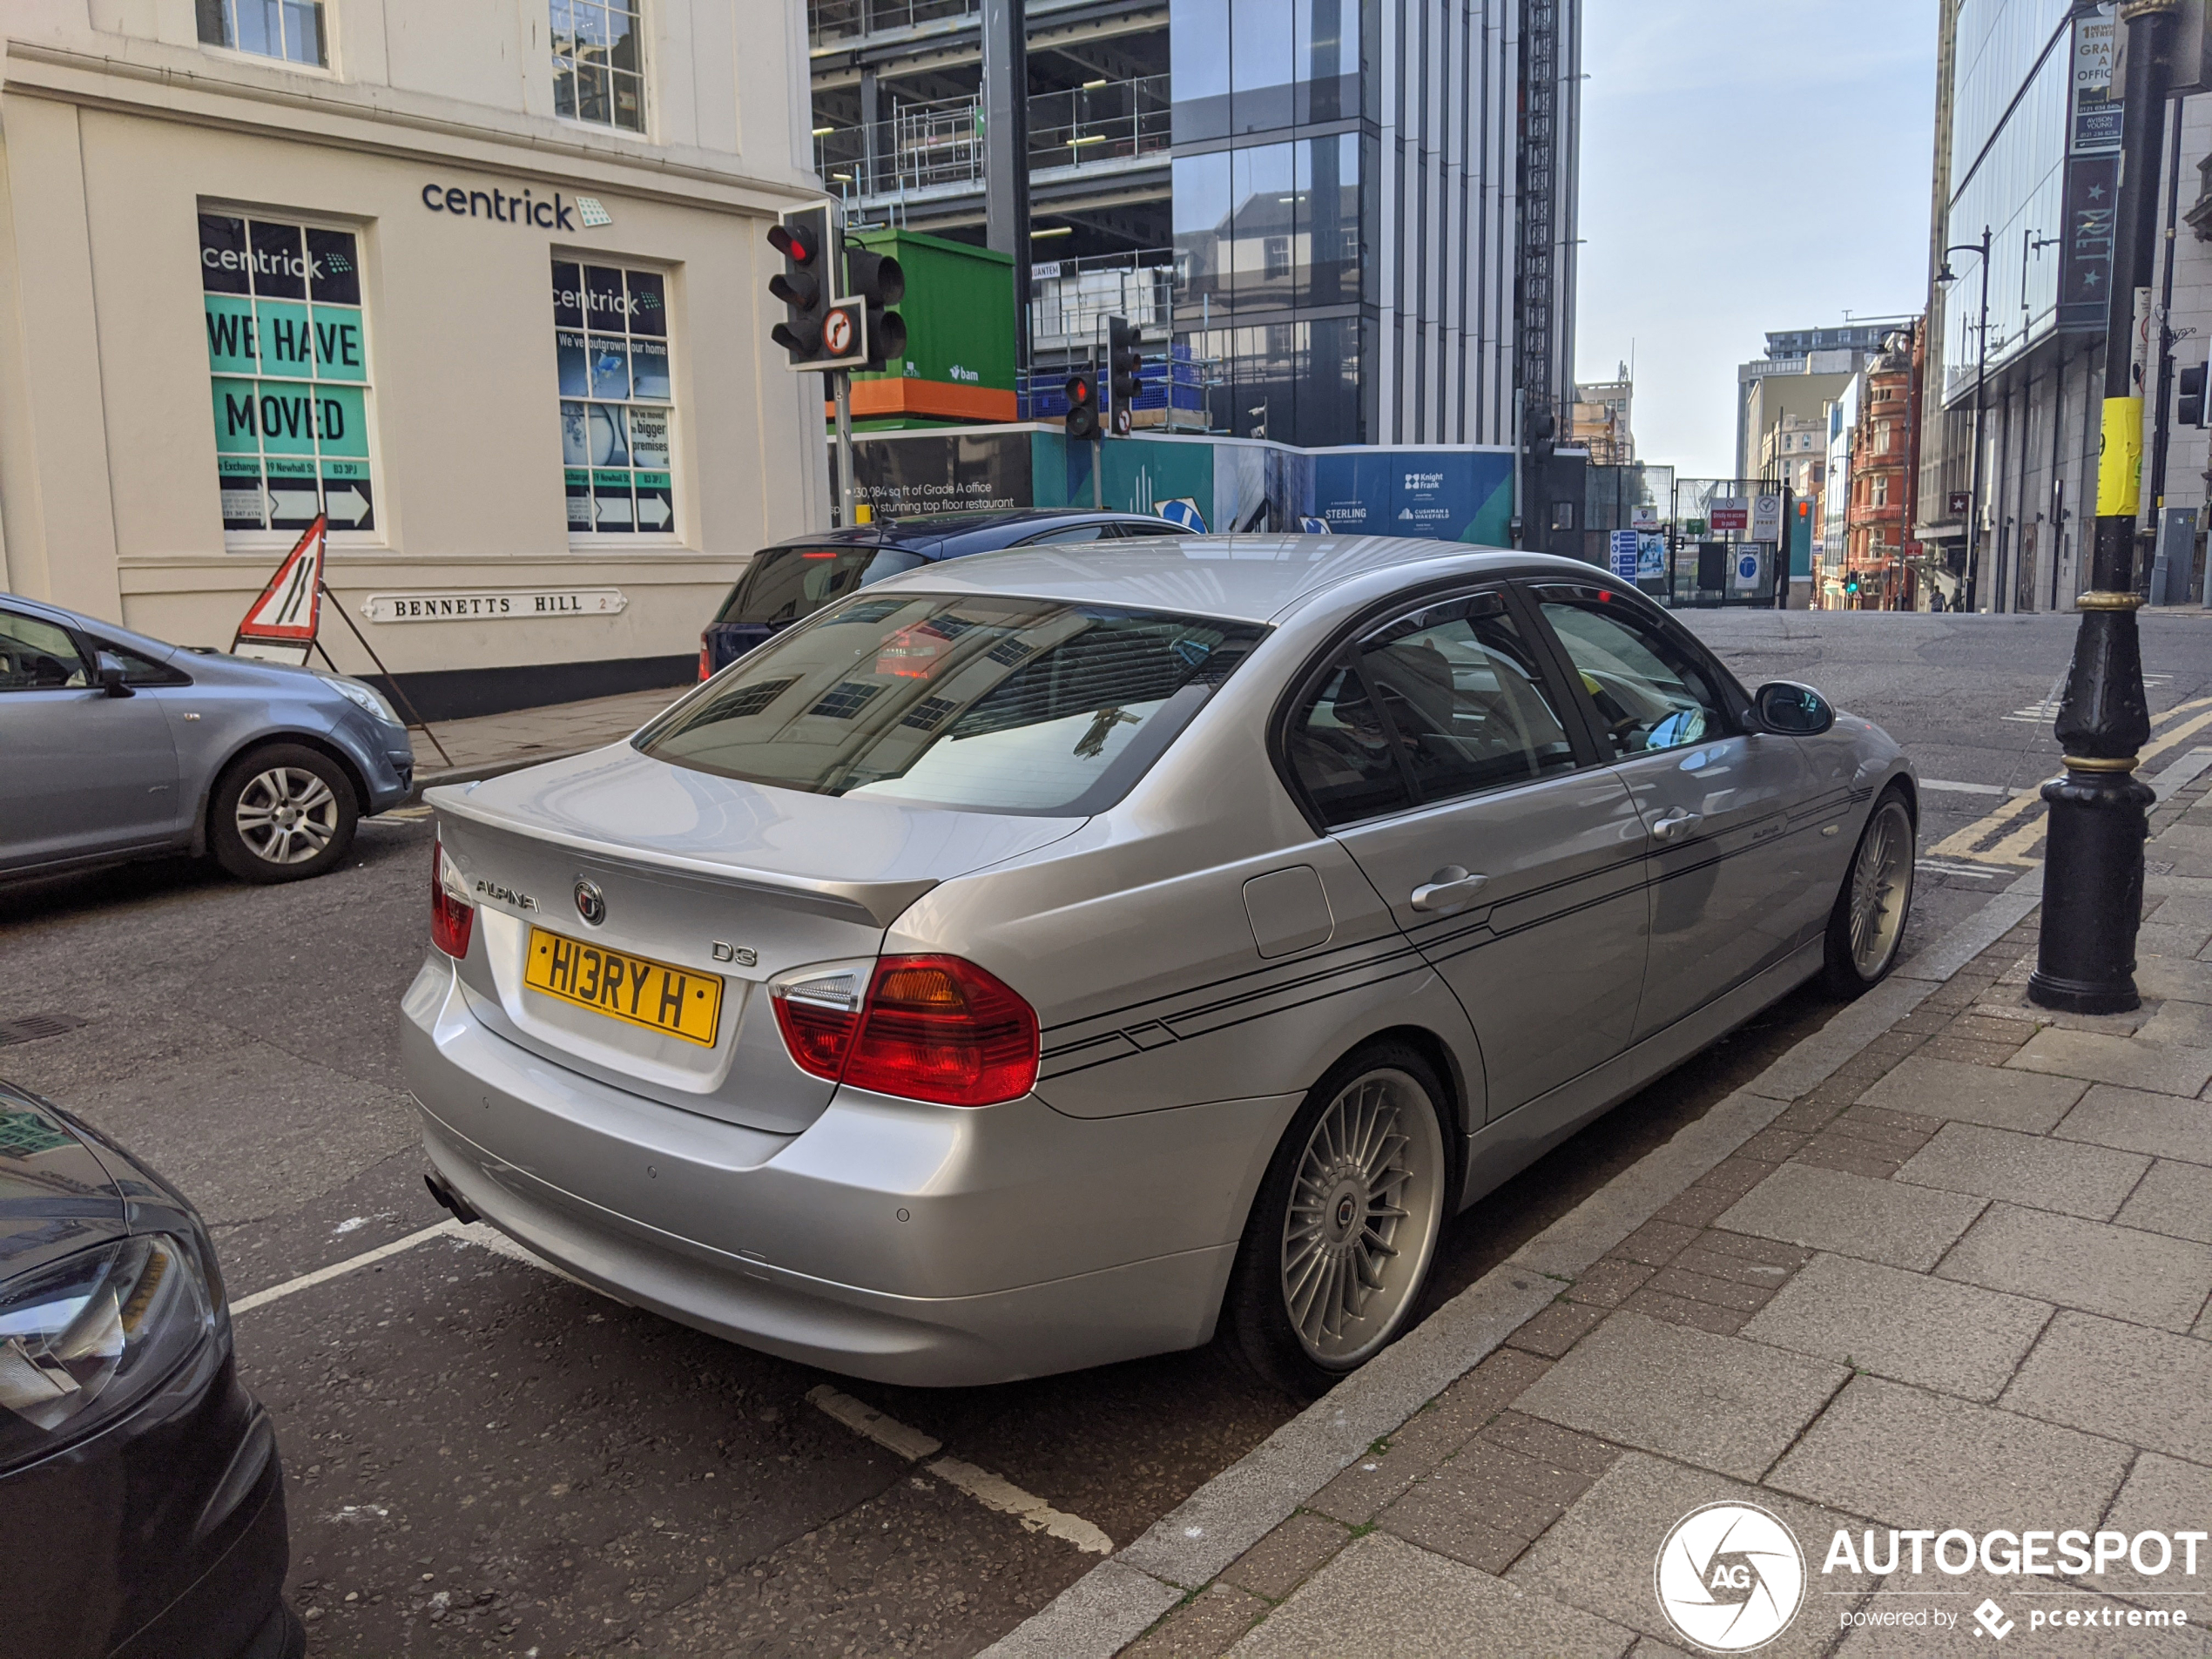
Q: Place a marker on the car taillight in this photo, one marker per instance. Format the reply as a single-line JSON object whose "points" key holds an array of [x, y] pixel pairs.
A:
{"points": [[706, 671], [452, 917], [930, 1027]]}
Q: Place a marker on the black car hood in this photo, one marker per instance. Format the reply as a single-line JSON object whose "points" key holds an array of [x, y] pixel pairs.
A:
{"points": [[58, 1193]]}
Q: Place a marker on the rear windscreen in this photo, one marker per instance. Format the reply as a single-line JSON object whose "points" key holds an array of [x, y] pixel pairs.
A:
{"points": [[983, 703], [785, 583]]}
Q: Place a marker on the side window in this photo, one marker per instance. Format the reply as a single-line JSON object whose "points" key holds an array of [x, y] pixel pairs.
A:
{"points": [[1446, 701], [141, 670], [1344, 755], [36, 655], [1143, 531], [1071, 533], [1465, 698], [1649, 693]]}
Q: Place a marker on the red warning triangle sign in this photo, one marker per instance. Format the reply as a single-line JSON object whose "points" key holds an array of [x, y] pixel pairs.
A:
{"points": [[280, 625]]}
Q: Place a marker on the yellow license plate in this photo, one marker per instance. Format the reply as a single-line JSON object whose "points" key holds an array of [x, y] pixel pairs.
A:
{"points": [[678, 1001]]}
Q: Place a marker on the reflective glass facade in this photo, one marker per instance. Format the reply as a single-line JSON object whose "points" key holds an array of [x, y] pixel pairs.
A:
{"points": [[1343, 228], [2026, 143]]}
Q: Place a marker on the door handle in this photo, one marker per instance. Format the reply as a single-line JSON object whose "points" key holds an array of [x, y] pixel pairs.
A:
{"points": [[1676, 823], [1448, 887]]}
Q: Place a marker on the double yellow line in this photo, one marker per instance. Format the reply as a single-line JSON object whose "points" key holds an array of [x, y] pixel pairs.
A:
{"points": [[2192, 716]]}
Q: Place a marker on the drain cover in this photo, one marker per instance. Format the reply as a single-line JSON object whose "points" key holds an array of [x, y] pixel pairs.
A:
{"points": [[31, 1026]]}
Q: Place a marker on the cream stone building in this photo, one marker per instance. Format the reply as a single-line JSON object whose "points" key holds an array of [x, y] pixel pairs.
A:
{"points": [[483, 280]]}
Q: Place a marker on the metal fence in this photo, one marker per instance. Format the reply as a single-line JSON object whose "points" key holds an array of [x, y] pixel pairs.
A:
{"points": [[831, 21], [925, 145], [1069, 299]]}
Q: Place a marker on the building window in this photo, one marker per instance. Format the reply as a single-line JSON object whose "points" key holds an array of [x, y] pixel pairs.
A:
{"points": [[1277, 250], [610, 337], [599, 63], [291, 30], [1882, 490], [1882, 438], [289, 355]]}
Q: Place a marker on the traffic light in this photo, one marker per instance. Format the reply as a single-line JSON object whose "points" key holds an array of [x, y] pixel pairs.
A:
{"points": [[1851, 582], [1543, 436], [1082, 403], [1124, 363], [2191, 411], [876, 280], [802, 236]]}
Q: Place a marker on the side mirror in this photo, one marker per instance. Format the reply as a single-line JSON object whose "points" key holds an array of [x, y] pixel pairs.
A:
{"points": [[111, 676], [1792, 710]]}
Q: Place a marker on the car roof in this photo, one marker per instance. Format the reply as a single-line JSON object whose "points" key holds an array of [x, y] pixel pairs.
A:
{"points": [[1247, 578], [113, 631], [940, 534]]}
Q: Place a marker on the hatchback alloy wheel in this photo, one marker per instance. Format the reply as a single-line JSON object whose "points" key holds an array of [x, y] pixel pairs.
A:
{"points": [[287, 815], [1881, 877]]}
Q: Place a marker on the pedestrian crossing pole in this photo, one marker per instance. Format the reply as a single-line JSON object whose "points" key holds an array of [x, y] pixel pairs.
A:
{"points": [[2093, 864]]}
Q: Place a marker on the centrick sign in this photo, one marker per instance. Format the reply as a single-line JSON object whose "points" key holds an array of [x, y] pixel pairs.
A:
{"points": [[555, 213]]}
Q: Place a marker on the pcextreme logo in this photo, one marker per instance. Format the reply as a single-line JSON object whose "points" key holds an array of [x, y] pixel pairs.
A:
{"points": [[1730, 1577]]}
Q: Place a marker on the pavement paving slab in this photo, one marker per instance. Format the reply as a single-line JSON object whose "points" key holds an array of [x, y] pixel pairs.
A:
{"points": [[1955, 1339], [1600, 1555], [1905, 1457], [2130, 1061], [2173, 1198], [2032, 1169], [2147, 1386], [2120, 1271], [2135, 1120], [1854, 1215], [1950, 1088], [1385, 1599], [1718, 1402], [2166, 1495]]}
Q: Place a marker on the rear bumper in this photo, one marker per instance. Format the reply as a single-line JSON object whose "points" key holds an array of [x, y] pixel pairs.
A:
{"points": [[904, 1243]]}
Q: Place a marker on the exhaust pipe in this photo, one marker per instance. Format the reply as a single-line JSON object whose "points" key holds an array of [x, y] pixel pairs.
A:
{"points": [[450, 1200]]}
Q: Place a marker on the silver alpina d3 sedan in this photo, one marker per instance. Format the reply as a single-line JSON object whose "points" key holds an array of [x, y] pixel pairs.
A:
{"points": [[1042, 961]]}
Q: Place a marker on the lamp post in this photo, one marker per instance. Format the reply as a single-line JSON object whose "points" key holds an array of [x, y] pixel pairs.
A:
{"points": [[2092, 870], [1981, 377]]}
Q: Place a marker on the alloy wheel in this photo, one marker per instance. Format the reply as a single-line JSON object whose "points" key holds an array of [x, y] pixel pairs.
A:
{"points": [[287, 815], [1881, 887], [1365, 1204]]}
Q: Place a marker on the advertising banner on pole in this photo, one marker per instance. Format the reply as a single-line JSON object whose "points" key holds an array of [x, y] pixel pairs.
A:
{"points": [[1626, 552]]}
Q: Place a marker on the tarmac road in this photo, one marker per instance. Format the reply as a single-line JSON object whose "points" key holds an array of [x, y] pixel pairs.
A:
{"points": [[486, 1458]]}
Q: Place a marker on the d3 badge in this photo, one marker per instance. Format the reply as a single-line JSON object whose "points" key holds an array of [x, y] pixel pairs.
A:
{"points": [[1730, 1577]]}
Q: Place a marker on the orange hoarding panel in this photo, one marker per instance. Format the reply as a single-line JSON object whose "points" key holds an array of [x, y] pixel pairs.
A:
{"points": [[945, 400]]}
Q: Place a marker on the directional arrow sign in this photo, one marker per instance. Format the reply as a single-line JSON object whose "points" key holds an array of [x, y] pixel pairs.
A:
{"points": [[347, 506], [653, 511], [288, 504]]}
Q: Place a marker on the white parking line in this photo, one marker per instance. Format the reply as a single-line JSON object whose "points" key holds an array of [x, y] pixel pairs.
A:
{"points": [[338, 1269], [481, 1235], [992, 1490], [1951, 789]]}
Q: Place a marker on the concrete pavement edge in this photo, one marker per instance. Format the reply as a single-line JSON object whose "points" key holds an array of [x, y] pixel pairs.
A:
{"points": [[1117, 1601]]}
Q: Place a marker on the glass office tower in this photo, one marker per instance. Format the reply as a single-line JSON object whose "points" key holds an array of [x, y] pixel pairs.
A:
{"points": [[1343, 214]]}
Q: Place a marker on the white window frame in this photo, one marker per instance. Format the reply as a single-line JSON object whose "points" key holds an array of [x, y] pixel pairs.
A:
{"points": [[601, 543], [339, 541], [649, 105], [327, 68]]}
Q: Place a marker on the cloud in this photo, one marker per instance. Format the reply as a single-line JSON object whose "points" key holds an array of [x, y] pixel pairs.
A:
{"points": [[1745, 167]]}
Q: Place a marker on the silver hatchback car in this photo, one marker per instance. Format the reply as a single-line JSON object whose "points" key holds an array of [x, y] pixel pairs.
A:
{"points": [[1038, 961], [114, 746]]}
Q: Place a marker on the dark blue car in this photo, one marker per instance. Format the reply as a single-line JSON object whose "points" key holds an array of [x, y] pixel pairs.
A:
{"points": [[797, 577]]}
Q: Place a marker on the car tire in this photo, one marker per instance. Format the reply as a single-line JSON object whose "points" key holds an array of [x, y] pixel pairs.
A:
{"points": [[1867, 924], [1342, 1233], [282, 812]]}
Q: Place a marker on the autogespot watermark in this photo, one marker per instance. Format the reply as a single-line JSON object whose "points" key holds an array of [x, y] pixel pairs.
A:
{"points": [[1731, 1578]]}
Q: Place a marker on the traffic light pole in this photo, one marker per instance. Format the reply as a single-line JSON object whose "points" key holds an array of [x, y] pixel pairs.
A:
{"points": [[2092, 869], [841, 389]]}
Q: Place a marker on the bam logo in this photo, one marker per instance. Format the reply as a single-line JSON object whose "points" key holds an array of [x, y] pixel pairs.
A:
{"points": [[1730, 1577]]}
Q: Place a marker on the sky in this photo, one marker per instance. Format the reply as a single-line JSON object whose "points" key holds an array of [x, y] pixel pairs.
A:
{"points": [[1747, 164]]}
